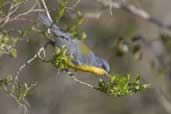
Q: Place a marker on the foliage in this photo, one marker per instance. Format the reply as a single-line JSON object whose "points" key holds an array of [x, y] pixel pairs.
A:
{"points": [[7, 45], [118, 85], [62, 10], [60, 59], [17, 91], [8, 40], [74, 28]]}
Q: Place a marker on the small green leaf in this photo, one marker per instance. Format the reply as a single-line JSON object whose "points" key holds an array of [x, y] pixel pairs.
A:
{"points": [[62, 10], [7, 45], [118, 85], [60, 59], [9, 78], [13, 52]]}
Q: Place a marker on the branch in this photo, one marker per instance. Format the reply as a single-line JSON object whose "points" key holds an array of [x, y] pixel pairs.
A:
{"points": [[13, 9], [46, 10], [24, 105], [83, 83], [134, 11], [37, 55], [165, 102]]}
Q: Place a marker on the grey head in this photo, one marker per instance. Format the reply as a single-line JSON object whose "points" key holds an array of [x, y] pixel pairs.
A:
{"points": [[102, 63]]}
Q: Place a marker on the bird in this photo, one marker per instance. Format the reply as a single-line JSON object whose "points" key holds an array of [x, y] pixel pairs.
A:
{"points": [[84, 59]]}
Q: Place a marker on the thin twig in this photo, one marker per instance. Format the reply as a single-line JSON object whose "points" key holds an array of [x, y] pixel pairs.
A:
{"points": [[82, 83], [46, 10], [110, 7], [12, 10], [163, 100], [37, 55], [23, 14], [15, 98], [24, 65], [32, 9], [21, 19], [95, 15], [74, 5]]}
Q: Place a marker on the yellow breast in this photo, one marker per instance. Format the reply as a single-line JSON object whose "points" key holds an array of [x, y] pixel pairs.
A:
{"points": [[91, 69], [87, 68]]}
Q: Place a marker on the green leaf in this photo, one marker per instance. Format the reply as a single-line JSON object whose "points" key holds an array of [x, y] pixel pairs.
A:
{"points": [[60, 59], [7, 45], [118, 85], [62, 10], [13, 52]]}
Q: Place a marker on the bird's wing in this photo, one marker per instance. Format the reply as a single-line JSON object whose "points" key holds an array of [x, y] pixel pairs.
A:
{"points": [[77, 48], [81, 52]]}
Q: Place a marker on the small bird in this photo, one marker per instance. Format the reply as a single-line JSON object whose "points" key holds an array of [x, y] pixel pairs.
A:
{"points": [[84, 58]]}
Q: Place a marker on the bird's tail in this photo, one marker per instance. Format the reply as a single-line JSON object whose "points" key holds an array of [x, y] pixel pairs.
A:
{"points": [[46, 20], [53, 28]]}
